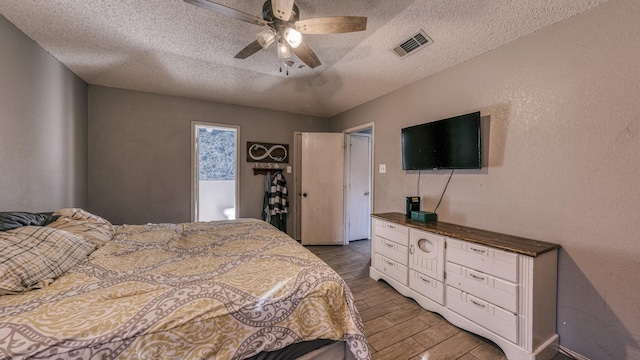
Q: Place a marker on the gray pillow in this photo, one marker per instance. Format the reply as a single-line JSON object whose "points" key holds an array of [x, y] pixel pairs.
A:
{"points": [[15, 219]]}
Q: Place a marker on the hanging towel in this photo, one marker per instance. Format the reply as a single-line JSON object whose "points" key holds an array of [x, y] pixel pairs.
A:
{"points": [[278, 205]]}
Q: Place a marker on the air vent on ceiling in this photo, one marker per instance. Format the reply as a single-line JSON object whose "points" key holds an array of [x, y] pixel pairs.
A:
{"points": [[413, 44]]}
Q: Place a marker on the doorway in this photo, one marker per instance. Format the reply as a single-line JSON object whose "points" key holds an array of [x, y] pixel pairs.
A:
{"points": [[215, 182], [358, 215], [359, 182]]}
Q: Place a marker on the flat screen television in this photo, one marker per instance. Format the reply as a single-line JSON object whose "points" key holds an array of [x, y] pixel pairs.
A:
{"points": [[452, 143]]}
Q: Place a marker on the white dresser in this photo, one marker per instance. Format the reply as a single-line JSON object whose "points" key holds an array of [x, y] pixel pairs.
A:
{"points": [[498, 286]]}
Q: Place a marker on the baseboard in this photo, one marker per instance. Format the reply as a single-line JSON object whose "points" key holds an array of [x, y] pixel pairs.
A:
{"points": [[573, 353]]}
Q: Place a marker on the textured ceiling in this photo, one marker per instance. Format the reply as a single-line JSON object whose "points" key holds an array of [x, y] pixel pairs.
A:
{"points": [[172, 47]]}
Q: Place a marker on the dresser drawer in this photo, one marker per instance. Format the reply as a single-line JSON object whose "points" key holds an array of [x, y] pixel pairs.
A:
{"points": [[487, 287], [393, 269], [502, 264], [392, 231], [491, 317], [426, 286], [392, 250]]}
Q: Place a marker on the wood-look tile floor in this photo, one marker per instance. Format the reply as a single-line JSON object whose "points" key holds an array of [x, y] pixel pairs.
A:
{"points": [[397, 327]]}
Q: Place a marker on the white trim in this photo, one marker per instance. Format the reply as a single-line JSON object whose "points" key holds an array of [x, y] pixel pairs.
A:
{"points": [[573, 353], [360, 128], [194, 166], [345, 176], [345, 190], [297, 168]]}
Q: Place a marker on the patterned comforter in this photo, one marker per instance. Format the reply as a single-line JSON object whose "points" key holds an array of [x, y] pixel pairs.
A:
{"points": [[218, 290]]}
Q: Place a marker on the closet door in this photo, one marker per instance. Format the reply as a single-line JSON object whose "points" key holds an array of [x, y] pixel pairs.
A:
{"points": [[322, 209], [358, 189]]}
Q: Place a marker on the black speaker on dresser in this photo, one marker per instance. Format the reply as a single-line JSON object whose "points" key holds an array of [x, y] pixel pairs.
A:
{"points": [[413, 204]]}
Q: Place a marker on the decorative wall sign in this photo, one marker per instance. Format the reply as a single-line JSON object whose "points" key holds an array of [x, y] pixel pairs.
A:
{"points": [[267, 152]]}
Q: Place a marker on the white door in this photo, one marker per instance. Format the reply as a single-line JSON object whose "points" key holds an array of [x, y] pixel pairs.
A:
{"points": [[359, 188], [322, 169]]}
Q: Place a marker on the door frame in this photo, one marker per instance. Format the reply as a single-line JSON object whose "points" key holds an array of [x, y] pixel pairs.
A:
{"points": [[297, 171], [347, 164], [195, 166], [350, 192]]}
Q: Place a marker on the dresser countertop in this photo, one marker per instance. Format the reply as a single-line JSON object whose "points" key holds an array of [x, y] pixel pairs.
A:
{"points": [[511, 243]]}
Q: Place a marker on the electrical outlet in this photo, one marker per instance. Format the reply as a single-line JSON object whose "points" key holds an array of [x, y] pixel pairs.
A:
{"points": [[288, 169], [383, 168]]}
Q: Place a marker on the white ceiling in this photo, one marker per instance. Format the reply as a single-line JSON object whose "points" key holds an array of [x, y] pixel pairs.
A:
{"points": [[174, 48]]}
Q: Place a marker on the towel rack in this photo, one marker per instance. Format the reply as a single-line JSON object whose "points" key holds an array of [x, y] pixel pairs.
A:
{"points": [[264, 171]]}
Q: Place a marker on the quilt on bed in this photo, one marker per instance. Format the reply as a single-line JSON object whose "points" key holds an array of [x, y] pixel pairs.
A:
{"points": [[218, 290]]}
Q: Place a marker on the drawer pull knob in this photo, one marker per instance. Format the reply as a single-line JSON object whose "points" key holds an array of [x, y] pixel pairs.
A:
{"points": [[411, 249], [389, 245], [479, 251], [391, 226], [425, 280], [390, 263], [478, 304], [479, 278]]}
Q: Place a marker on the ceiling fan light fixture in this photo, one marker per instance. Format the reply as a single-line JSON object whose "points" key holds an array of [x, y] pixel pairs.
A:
{"points": [[293, 37], [282, 17], [284, 51], [266, 38]]}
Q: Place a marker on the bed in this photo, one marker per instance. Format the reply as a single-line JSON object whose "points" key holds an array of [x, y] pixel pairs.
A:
{"points": [[233, 289]]}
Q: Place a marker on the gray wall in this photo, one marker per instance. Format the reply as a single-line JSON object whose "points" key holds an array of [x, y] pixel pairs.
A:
{"points": [[140, 152], [563, 157], [43, 128]]}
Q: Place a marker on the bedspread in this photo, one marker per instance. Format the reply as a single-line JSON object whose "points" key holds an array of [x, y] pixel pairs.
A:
{"points": [[217, 290]]}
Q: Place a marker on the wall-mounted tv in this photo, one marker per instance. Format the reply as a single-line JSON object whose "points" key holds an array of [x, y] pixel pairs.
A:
{"points": [[452, 143]]}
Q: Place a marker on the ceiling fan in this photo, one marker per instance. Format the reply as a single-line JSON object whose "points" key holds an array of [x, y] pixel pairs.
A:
{"points": [[282, 18]]}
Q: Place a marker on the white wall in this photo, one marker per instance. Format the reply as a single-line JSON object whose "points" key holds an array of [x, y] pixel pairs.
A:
{"points": [[43, 128], [563, 107]]}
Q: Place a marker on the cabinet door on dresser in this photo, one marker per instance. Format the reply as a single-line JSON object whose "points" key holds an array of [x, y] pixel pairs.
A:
{"points": [[391, 250], [482, 285], [426, 264]]}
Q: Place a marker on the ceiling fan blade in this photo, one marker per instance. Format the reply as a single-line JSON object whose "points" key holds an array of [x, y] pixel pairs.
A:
{"points": [[227, 11], [282, 9], [249, 50], [332, 25], [306, 55]]}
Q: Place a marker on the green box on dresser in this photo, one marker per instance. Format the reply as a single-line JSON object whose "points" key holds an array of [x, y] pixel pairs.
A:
{"points": [[423, 216]]}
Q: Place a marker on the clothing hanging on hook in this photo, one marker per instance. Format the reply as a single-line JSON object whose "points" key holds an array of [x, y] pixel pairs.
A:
{"points": [[275, 204]]}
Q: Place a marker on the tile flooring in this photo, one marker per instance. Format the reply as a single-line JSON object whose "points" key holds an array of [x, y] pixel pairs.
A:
{"points": [[397, 327]]}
